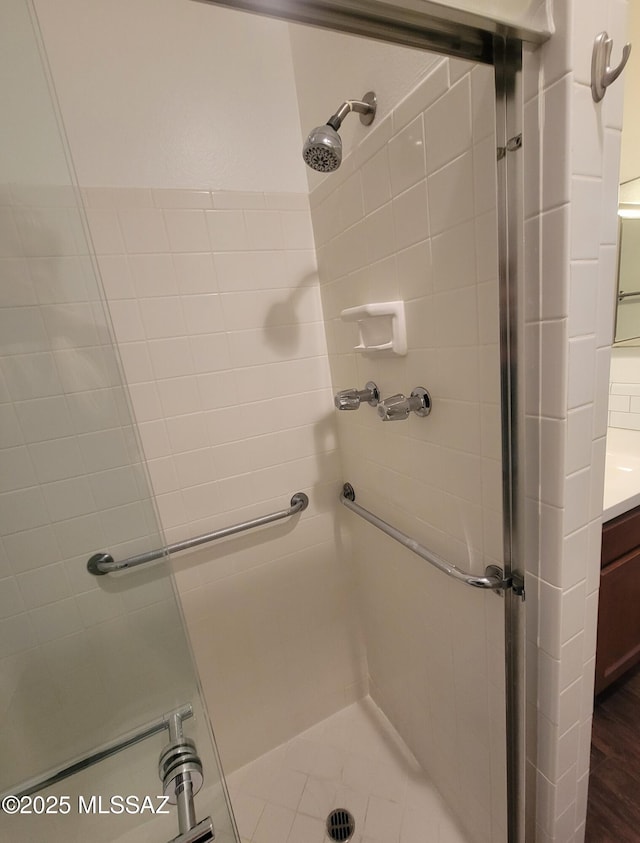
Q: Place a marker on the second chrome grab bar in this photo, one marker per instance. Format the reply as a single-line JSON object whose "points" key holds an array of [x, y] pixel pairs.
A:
{"points": [[104, 563], [494, 576]]}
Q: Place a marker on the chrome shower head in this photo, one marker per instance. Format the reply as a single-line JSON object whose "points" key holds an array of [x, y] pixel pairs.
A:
{"points": [[322, 150]]}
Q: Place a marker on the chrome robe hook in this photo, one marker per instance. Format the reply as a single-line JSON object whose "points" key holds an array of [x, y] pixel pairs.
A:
{"points": [[602, 75]]}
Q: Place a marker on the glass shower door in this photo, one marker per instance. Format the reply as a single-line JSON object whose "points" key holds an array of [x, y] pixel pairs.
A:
{"points": [[87, 663]]}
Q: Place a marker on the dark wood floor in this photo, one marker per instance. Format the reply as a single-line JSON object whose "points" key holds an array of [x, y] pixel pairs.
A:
{"points": [[613, 814]]}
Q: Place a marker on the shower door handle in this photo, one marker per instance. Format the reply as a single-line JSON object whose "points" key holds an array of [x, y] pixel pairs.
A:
{"points": [[201, 833]]}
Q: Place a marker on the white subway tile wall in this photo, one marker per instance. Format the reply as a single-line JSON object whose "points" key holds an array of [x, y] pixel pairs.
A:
{"points": [[73, 484], [412, 215], [570, 236], [624, 389], [216, 307]]}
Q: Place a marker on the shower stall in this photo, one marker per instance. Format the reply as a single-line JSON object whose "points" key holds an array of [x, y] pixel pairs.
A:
{"points": [[206, 516]]}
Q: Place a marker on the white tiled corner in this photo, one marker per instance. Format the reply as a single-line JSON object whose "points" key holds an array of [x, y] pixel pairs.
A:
{"points": [[289, 792]]}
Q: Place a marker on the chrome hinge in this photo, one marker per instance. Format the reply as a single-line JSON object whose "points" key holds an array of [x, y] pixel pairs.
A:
{"points": [[513, 144], [517, 585], [514, 583], [502, 583]]}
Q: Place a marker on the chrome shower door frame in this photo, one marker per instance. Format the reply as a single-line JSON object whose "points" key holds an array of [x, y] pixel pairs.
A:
{"points": [[509, 126], [462, 34]]}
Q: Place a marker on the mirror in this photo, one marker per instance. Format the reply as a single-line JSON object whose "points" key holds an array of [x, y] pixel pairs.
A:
{"points": [[627, 331]]}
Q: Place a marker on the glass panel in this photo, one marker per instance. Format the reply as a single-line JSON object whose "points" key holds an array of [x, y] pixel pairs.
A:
{"points": [[409, 215], [83, 660], [419, 194], [342, 670]]}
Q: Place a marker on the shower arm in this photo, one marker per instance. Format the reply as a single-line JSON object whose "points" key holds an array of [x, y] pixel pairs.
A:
{"points": [[365, 107], [335, 121]]}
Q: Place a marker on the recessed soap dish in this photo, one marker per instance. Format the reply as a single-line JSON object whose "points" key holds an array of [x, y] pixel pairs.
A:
{"points": [[382, 327]]}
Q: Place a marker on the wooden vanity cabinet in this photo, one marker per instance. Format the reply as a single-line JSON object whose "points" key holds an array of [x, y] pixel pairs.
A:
{"points": [[619, 605]]}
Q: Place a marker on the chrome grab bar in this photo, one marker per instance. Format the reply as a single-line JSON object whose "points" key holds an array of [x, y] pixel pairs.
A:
{"points": [[622, 295], [104, 563], [494, 576], [105, 751]]}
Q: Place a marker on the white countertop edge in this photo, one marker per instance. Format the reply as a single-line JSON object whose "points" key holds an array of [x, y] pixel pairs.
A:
{"points": [[622, 472], [620, 508]]}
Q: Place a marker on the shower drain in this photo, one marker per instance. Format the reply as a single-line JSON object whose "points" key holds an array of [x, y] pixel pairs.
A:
{"points": [[340, 825]]}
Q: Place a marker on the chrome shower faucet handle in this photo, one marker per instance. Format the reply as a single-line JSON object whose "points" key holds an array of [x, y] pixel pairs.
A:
{"points": [[398, 407], [350, 399]]}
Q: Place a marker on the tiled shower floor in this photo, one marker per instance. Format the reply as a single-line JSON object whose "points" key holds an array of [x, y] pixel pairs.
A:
{"points": [[355, 760]]}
